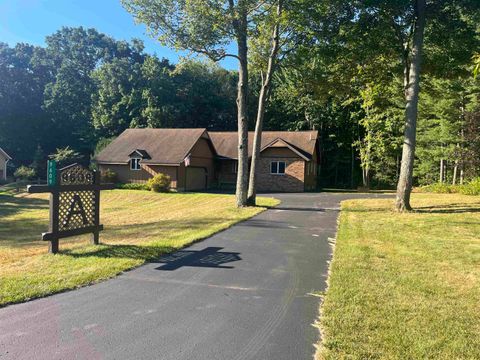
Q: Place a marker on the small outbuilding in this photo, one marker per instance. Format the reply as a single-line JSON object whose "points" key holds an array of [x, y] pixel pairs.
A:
{"points": [[4, 159]]}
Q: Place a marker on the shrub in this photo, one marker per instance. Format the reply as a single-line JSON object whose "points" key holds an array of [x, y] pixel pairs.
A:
{"points": [[133, 186], [24, 173], [109, 176], [159, 183], [440, 188], [472, 188]]}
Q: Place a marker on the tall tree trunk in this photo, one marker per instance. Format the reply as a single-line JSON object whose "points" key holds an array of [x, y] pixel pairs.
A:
{"points": [[242, 95], [404, 187], [442, 168], [262, 100], [455, 171]]}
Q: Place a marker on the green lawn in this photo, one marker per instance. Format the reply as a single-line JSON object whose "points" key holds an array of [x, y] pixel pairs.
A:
{"points": [[405, 286], [139, 226]]}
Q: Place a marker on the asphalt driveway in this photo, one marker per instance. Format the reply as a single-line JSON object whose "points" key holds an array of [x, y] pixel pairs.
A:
{"points": [[245, 293]]}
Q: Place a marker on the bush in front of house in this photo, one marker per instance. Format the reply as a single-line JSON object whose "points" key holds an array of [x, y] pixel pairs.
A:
{"points": [[159, 183], [109, 176], [24, 173], [132, 186]]}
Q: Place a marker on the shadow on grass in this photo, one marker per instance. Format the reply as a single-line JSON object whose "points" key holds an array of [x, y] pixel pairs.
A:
{"points": [[456, 208], [11, 205], [136, 252]]}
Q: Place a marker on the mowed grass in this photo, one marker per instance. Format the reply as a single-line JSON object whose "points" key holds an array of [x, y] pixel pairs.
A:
{"points": [[405, 286], [139, 226]]}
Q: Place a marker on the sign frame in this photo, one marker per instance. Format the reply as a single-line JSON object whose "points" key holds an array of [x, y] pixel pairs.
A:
{"points": [[74, 189]]}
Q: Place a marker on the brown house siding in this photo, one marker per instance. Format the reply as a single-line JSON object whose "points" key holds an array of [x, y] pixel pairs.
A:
{"points": [[226, 173], [311, 169], [201, 157], [125, 175]]}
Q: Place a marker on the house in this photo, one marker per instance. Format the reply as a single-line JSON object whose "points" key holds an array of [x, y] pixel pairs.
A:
{"points": [[4, 158], [197, 159], [288, 159]]}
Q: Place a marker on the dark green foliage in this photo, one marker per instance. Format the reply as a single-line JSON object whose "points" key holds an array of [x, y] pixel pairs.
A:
{"points": [[344, 78], [133, 186], [85, 87]]}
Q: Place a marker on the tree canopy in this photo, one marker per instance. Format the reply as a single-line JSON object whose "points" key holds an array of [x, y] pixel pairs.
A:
{"points": [[349, 69]]}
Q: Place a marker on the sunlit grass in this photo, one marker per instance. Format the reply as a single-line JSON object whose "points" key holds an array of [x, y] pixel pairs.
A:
{"points": [[139, 226], [405, 286]]}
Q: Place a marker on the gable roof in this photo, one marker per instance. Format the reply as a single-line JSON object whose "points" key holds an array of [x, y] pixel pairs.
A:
{"points": [[278, 142], [139, 152], [164, 146], [301, 142], [5, 154]]}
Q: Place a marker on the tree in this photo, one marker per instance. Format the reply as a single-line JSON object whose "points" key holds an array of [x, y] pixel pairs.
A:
{"points": [[66, 156], [117, 102], [23, 123], [412, 90], [397, 32], [207, 27], [448, 137], [266, 80]]}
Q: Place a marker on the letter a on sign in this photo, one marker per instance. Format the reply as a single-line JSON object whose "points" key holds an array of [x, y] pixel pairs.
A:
{"points": [[76, 208]]}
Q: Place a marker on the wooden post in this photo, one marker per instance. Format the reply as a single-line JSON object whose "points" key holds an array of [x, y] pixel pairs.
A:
{"points": [[53, 227], [96, 197]]}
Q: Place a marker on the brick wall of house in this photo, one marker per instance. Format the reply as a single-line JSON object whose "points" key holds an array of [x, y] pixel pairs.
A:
{"points": [[291, 181]]}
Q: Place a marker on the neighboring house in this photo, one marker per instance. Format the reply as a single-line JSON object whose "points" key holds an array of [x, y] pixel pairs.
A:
{"points": [[196, 159], [4, 158]]}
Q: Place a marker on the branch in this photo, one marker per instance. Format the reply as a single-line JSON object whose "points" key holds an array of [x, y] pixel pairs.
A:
{"points": [[214, 55]]}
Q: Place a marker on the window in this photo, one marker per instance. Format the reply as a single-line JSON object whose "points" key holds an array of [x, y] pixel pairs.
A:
{"points": [[135, 164], [277, 167], [234, 167]]}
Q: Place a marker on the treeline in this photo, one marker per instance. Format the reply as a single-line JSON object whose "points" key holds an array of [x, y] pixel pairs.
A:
{"points": [[84, 87]]}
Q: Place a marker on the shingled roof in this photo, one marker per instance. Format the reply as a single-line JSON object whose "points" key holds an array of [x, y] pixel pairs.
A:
{"points": [[164, 146], [303, 141]]}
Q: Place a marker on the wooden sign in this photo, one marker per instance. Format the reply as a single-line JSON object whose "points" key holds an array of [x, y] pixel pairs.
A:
{"points": [[74, 204]]}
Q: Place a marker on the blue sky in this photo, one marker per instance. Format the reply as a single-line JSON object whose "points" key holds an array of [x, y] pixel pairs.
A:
{"points": [[31, 20]]}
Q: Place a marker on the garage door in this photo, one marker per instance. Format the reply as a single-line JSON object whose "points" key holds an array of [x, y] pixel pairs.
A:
{"points": [[196, 178]]}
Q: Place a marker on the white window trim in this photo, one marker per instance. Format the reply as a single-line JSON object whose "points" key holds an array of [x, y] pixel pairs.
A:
{"points": [[132, 162], [278, 167]]}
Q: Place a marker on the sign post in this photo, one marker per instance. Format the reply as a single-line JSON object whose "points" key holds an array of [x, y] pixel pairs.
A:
{"points": [[74, 203]]}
